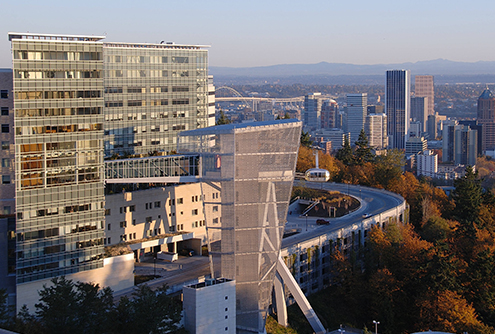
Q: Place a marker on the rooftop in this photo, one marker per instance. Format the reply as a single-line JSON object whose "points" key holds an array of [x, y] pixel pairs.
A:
{"points": [[487, 94], [54, 37]]}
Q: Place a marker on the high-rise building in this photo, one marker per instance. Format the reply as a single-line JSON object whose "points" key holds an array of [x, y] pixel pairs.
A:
{"points": [[375, 128], [152, 92], [427, 163], [460, 144], [419, 111], [7, 188], [329, 109], [415, 145], [486, 117], [356, 114], [59, 189], [312, 112], [77, 99], [424, 87], [397, 106]]}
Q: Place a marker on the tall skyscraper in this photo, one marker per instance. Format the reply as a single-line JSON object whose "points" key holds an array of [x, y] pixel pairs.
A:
{"points": [[424, 87], [397, 106], [312, 112], [357, 105], [486, 117], [329, 109], [419, 111]]}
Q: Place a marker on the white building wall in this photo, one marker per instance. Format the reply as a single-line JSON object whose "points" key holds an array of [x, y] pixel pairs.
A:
{"points": [[427, 164], [210, 308]]}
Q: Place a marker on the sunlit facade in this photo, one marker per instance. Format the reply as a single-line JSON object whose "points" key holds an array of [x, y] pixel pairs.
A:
{"points": [[252, 165], [58, 85], [397, 107]]}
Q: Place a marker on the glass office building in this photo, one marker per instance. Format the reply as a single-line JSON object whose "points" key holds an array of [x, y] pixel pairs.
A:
{"points": [[59, 199], [397, 107], [252, 167], [152, 92]]}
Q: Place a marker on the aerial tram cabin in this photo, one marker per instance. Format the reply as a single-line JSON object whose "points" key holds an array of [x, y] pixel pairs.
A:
{"points": [[317, 174]]}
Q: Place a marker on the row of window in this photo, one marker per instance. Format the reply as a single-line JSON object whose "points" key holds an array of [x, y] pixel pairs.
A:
{"points": [[146, 73], [38, 130], [142, 90], [147, 59], [143, 103], [56, 55], [48, 95], [56, 112], [94, 74]]}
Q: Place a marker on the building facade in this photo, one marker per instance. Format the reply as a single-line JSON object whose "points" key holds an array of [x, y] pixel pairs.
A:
{"points": [[424, 87], [77, 100], [486, 118], [329, 110], [7, 189], [397, 106], [312, 112], [252, 165], [419, 111], [375, 128], [427, 163], [357, 105]]}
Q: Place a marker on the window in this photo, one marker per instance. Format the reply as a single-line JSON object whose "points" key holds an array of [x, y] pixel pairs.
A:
{"points": [[195, 212], [5, 111], [123, 224], [7, 210], [132, 208], [5, 162], [5, 145], [5, 128], [109, 227], [4, 94], [157, 204], [180, 200], [107, 212], [148, 219], [109, 240], [5, 179], [215, 208]]}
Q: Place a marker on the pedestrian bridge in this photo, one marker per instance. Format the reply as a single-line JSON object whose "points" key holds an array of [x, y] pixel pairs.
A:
{"points": [[161, 169]]}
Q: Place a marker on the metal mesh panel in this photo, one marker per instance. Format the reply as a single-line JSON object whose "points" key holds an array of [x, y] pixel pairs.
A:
{"points": [[255, 165]]}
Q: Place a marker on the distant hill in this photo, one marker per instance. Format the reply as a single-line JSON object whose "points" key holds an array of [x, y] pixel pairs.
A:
{"points": [[339, 73]]}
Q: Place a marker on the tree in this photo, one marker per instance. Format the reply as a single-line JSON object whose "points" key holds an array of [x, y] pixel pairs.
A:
{"points": [[388, 167], [305, 139], [4, 311], [363, 152], [344, 154], [467, 196], [150, 312], [222, 119]]}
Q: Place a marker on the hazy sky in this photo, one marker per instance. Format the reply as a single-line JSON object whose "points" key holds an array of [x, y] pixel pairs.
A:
{"points": [[256, 33]]}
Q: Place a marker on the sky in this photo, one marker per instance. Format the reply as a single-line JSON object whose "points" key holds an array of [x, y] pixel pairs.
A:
{"points": [[270, 32]]}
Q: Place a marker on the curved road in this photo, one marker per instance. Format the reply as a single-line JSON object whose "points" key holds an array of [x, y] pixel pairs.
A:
{"points": [[373, 201]]}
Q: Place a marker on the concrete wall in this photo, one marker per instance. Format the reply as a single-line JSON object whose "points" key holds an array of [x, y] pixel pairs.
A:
{"points": [[309, 260], [210, 309], [117, 274]]}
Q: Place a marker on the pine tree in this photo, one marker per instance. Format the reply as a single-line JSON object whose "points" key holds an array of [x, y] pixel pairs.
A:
{"points": [[222, 119], [345, 153], [363, 152], [467, 196], [305, 139]]}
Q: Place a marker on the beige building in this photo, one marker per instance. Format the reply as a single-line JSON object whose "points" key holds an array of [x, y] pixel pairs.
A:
{"points": [[159, 213]]}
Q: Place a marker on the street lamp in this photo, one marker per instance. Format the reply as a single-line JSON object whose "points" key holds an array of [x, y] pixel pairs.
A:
{"points": [[306, 222], [376, 326]]}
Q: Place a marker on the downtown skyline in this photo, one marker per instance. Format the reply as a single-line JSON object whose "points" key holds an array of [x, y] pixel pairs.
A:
{"points": [[270, 33]]}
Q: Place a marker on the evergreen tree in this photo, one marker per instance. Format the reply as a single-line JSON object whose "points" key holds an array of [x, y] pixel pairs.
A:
{"points": [[305, 139], [345, 153], [467, 196], [363, 152], [222, 119]]}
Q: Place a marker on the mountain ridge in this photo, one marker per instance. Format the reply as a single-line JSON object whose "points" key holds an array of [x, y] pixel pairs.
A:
{"points": [[432, 67]]}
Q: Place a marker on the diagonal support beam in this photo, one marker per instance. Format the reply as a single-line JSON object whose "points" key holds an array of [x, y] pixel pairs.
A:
{"points": [[299, 296]]}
